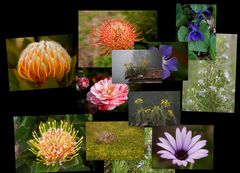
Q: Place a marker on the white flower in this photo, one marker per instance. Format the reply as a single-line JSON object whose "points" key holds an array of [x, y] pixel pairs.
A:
{"points": [[202, 93], [221, 89], [226, 74], [200, 82], [140, 164], [225, 56], [213, 88]]}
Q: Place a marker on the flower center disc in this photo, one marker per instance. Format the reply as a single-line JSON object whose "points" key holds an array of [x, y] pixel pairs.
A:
{"points": [[181, 155]]}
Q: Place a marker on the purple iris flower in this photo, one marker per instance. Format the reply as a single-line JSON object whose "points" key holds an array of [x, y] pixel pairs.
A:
{"points": [[200, 13], [168, 63], [194, 35]]}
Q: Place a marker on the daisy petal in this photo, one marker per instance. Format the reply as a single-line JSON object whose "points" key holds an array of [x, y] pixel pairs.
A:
{"points": [[184, 133], [179, 139], [190, 160], [184, 163], [193, 141], [187, 140], [171, 140], [197, 146], [197, 156], [167, 147]]}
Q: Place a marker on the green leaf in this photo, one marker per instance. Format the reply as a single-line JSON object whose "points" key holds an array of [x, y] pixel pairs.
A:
{"points": [[199, 7], [72, 73], [13, 82], [75, 161], [39, 167], [21, 132], [13, 53], [183, 34], [212, 47], [181, 18], [51, 83], [201, 46], [192, 55], [20, 161]]}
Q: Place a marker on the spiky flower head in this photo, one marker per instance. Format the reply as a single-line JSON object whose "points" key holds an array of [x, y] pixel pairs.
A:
{"points": [[138, 101], [115, 34], [56, 142], [42, 60]]}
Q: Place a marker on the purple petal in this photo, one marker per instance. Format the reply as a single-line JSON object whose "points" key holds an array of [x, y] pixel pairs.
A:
{"points": [[171, 140], [193, 141], [190, 160], [207, 13], [166, 154], [187, 140], [184, 133], [164, 141], [179, 162], [165, 72], [167, 147], [197, 156], [166, 50], [190, 36], [171, 64], [197, 146], [179, 139], [192, 27], [202, 151]]}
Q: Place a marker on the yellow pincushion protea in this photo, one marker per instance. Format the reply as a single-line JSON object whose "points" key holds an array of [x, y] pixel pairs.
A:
{"points": [[165, 103], [57, 143], [42, 60]]}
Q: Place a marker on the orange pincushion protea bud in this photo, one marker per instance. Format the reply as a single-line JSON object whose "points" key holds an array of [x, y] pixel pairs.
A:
{"points": [[56, 144], [115, 34], [42, 60]]}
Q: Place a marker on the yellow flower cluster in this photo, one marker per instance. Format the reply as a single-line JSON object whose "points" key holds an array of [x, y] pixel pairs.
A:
{"points": [[165, 103], [138, 101], [57, 143], [170, 113]]}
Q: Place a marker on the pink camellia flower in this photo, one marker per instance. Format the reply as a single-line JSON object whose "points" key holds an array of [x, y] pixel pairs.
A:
{"points": [[83, 82], [106, 96]]}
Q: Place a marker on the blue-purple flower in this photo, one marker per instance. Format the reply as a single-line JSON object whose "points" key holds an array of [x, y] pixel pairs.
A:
{"points": [[200, 13], [194, 35], [168, 63]]}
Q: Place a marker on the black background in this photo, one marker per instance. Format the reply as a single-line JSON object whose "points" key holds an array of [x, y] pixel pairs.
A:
{"points": [[53, 17]]}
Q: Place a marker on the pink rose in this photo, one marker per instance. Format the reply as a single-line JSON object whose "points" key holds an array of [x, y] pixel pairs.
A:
{"points": [[83, 82], [106, 95]]}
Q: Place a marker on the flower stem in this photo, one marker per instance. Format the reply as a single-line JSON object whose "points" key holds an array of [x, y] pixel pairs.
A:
{"points": [[191, 166]]}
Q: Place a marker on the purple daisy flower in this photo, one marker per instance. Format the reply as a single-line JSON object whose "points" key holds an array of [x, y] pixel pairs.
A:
{"points": [[183, 149], [168, 63], [194, 35]]}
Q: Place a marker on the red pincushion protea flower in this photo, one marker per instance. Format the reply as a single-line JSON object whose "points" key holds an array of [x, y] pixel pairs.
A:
{"points": [[106, 96], [115, 34], [42, 60]]}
